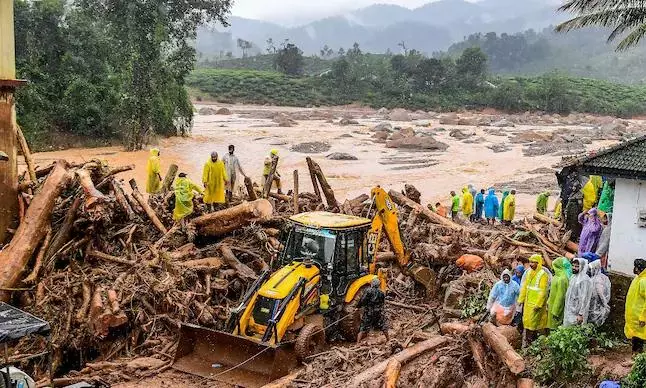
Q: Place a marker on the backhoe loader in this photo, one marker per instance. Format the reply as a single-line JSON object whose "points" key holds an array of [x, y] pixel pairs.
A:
{"points": [[327, 262]]}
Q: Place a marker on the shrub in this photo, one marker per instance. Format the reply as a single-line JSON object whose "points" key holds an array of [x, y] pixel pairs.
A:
{"points": [[637, 376]]}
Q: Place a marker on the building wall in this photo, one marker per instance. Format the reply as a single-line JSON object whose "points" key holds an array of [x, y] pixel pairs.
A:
{"points": [[627, 241]]}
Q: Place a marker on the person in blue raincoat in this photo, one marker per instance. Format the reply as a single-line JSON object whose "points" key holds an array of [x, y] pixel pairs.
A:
{"points": [[480, 202], [518, 273], [502, 299], [491, 206]]}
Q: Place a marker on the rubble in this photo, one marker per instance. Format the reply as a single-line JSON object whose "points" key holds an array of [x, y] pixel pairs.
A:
{"points": [[311, 147], [399, 115]]}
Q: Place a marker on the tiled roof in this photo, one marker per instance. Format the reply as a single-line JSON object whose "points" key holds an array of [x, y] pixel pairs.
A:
{"points": [[626, 160]]}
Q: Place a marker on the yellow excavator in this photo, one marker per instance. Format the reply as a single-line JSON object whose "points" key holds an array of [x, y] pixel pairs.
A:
{"points": [[327, 261]]}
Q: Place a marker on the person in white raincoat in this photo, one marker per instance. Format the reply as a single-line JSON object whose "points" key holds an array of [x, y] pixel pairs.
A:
{"points": [[579, 292], [600, 300]]}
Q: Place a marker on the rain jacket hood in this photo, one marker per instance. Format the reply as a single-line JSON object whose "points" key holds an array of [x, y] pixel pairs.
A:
{"points": [[600, 301], [491, 205], [502, 299], [533, 295], [214, 176], [577, 298], [517, 278]]}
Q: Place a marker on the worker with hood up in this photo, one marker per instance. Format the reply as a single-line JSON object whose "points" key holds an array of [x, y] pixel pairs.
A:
{"points": [[501, 210], [635, 315], [467, 203], [519, 271], [541, 202], [607, 199], [153, 172], [590, 192], [533, 297], [579, 293], [215, 179], [509, 207], [273, 155], [480, 201], [502, 299], [600, 300], [558, 289], [591, 232], [491, 206], [184, 193]]}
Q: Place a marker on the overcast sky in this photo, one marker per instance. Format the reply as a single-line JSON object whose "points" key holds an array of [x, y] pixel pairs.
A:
{"points": [[285, 10]]}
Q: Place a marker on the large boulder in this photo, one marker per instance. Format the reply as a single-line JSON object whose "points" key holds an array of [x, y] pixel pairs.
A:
{"points": [[341, 156], [381, 135], [346, 121], [399, 115], [467, 121], [383, 127], [383, 112], [206, 111], [283, 120], [314, 147], [460, 134], [503, 123], [223, 111], [449, 119], [417, 143]]}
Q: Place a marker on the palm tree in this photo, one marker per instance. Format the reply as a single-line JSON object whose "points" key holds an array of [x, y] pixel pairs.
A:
{"points": [[623, 16]]}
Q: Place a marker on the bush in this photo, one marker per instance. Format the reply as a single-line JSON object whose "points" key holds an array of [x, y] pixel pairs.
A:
{"points": [[628, 109], [475, 303], [637, 376]]}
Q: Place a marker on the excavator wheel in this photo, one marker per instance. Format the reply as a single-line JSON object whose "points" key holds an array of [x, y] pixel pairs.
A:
{"points": [[349, 326], [310, 340]]}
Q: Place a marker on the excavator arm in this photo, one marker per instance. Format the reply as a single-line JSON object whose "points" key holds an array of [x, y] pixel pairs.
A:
{"points": [[386, 221]]}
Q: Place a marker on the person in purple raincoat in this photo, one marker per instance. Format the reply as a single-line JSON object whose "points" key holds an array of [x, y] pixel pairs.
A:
{"points": [[591, 232]]}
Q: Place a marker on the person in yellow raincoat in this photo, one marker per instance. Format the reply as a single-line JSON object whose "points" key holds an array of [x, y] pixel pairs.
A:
{"points": [[635, 328], [273, 154], [558, 209], [590, 192], [467, 203], [214, 178], [184, 193], [509, 208], [153, 179], [533, 298]]}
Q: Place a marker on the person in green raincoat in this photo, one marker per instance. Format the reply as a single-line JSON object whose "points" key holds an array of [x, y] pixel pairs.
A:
{"points": [[541, 202], [215, 179], [635, 328], [455, 205], [533, 298], [501, 209], [607, 199], [558, 289], [153, 173], [184, 192]]}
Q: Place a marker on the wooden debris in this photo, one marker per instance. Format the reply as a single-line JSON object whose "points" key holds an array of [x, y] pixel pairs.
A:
{"points": [[149, 211], [503, 349], [233, 218]]}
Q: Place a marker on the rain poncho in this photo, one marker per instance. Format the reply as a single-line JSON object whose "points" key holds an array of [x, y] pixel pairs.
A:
{"points": [[518, 273], [636, 307], [501, 210], [604, 240], [591, 232], [480, 201], [558, 209], [491, 205], [184, 188], [590, 192], [607, 199], [455, 204], [467, 202], [533, 295], [579, 292], [509, 208], [502, 299], [541, 202], [268, 161], [568, 269], [558, 289], [153, 184], [600, 300], [214, 177]]}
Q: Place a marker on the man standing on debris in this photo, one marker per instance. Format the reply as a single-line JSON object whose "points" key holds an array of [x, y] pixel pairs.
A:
{"points": [[509, 208], [153, 173], [184, 193], [502, 299], [541, 202], [455, 206], [558, 289], [273, 155], [533, 298], [600, 301], [232, 165], [373, 318], [214, 178], [579, 292], [635, 315], [467, 204], [491, 206], [480, 202]]}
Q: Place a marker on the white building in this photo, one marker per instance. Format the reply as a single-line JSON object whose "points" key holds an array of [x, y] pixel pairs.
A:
{"points": [[626, 163]]}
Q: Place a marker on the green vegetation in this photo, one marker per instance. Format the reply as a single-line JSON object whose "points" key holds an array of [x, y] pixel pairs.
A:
{"points": [[289, 60], [637, 376], [475, 303], [311, 65]]}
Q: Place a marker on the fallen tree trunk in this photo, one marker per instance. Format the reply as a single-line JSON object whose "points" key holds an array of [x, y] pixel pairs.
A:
{"points": [[315, 169], [270, 178], [206, 263], [479, 356], [226, 221], [402, 200], [144, 205], [120, 197], [250, 191], [391, 375], [454, 327], [15, 256], [315, 185], [374, 372], [242, 269], [503, 349], [169, 178], [33, 276], [512, 335], [65, 231], [546, 220]]}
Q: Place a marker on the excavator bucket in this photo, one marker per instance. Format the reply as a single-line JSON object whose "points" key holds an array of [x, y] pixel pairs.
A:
{"points": [[230, 358]]}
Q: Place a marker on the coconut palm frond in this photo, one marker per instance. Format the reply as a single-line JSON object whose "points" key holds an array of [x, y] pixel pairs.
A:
{"points": [[631, 19], [600, 18], [633, 38], [586, 6]]}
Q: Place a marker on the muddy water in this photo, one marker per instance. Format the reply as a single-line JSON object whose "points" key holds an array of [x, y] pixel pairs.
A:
{"points": [[435, 174]]}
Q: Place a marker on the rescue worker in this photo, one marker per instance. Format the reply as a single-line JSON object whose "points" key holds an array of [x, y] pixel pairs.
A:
{"points": [[491, 206], [467, 204], [510, 207], [473, 192], [153, 173], [607, 199], [590, 192], [533, 298], [480, 201], [604, 241], [273, 154], [232, 165], [501, 209], [591, 232], [579, 292], [214, 178], [184, 193], [541, 202], [373, 318], [455, 206], [558, 209], [635, 315], [440, 210], [502, 299], [518, 273], [558, 289], [600, 300]]}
